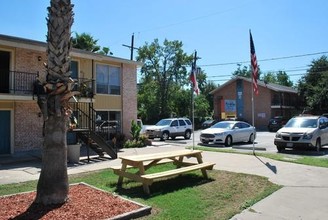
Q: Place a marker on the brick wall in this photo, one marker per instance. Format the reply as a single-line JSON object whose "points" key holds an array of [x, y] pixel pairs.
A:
{"points": [[262, 103], [129, 98], [27, 61], [27, 126]]}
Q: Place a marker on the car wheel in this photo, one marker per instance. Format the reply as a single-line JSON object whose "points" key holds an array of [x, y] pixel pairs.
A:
{"points": [[205, 142], [251, 139], [187, 135], [318, 145], [165, 136], [173, 137], [280, 148], [228, 141]]}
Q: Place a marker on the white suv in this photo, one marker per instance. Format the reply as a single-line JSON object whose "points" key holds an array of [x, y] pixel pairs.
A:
{"points": [[303, 131], [170, 127]]}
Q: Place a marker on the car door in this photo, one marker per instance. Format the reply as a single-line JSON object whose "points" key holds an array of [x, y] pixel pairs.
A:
{"points": [[237, 132], [174, 128], [182, 127], [244, 131], [323, 126]]}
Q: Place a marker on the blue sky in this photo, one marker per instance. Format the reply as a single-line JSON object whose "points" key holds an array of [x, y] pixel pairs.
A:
{"points": [[217, 29]]}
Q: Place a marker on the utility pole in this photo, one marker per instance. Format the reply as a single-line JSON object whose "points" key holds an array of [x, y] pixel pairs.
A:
{"points": [[131, 46]]}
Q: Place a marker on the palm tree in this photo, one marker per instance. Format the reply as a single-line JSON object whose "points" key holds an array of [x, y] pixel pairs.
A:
{"points": [[53, 185], [86, 42]]}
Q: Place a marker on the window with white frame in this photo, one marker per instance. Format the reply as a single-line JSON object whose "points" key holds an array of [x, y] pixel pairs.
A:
{"points": [[108, 79]]}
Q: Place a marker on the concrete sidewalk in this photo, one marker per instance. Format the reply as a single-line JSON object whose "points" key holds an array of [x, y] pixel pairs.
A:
{"points": [[304, 195]]}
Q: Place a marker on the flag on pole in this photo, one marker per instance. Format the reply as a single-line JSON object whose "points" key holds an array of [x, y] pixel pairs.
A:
{"points": [[194, 81], [254, 66]]}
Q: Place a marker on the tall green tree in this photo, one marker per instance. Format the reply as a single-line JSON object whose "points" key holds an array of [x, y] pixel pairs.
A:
{"points": [[53, 185], [165, 67], [280, 78], [245, 71], [313, 85], [205, 88], [283, 79], [209, 87]]}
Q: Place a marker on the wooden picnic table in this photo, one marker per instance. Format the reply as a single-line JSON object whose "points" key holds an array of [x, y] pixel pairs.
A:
{"points": [[145, 161]]}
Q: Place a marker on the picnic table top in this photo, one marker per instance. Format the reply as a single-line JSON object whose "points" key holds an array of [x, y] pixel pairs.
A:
{"points": [[161, 155]]}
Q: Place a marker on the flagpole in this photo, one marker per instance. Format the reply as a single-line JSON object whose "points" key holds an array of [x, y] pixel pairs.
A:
{"points": [[253, 80], [253, 114], [193, 118], [193, 69]]}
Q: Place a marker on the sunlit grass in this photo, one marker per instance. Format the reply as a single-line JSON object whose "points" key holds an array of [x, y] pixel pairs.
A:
{"points": [[187, 196]]}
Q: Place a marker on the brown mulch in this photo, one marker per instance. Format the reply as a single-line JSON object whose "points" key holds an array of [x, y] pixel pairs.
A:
{"points": [[84, 202]]}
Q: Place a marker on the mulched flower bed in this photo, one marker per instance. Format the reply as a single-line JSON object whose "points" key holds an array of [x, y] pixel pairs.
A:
{"points": [[85, 202]]}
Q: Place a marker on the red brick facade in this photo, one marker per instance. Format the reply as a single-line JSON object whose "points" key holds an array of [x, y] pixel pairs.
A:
{"points": [[29, 57], [240, 90]]}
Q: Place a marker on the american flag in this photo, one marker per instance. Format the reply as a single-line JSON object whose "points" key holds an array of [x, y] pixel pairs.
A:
{"points": [[194, 81], [254, 65]]}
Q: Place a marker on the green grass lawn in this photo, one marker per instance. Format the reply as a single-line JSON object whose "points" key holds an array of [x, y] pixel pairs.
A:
{"points": [[187, 196]]}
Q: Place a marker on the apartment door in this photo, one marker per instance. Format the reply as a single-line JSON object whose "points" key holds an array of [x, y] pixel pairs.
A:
{"points": [[4, 71], [4, 132]]}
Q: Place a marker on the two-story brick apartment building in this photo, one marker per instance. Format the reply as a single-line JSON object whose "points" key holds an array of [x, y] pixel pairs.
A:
{"points": [[234, 100], [109, 83]]}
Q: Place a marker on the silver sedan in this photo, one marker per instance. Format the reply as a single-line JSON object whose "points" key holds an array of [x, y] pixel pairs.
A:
{"points": [[228, 132]]}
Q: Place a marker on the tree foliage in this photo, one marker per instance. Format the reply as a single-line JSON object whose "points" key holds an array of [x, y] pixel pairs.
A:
{"points": [[245, 71], [165, 70], [280, 78], [165, 89], [85, 41], [313, 86]]}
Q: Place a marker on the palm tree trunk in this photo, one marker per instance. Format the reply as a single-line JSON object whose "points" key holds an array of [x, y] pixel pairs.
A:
{"points": [[53, 185], [53, 182]]}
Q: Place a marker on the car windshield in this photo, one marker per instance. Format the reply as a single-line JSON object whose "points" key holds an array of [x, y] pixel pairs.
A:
{"points": [[302, 123], [164, 122], [226, 125]]}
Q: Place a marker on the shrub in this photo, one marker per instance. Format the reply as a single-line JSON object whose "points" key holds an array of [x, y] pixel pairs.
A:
{"points": [[135, 130], [134, 144]]}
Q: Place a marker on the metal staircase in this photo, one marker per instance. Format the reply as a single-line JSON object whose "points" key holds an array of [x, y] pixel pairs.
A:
{"points": [[86, 130]]}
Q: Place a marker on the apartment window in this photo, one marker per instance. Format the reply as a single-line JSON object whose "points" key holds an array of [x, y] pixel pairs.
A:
{"points": [[108, 79], [74, 69], [109, 116]]}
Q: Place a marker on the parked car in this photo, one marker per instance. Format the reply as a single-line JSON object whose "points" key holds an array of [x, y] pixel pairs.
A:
{"points": [[170, 128], [303, 131], [208, 123], [276, 123], [106, 126], [143, 127], [228, 132]]}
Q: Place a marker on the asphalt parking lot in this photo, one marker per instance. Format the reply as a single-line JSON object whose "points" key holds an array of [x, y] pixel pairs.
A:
{"points": [[263, 143]]}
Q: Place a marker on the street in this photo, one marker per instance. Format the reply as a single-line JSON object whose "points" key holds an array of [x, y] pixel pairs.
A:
{"points": [[263, 143]]}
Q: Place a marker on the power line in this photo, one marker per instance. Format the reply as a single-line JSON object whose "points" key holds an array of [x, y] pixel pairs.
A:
{"points": [[228, 77], [263, 60], [277, 71]]}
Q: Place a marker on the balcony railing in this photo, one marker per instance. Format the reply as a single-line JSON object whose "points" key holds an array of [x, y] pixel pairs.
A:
{"points": [[14, 82], [85, 87], [21, 83]]}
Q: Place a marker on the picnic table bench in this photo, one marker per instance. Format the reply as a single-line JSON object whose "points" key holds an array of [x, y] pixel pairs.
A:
{"points": [[145, 161]]}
